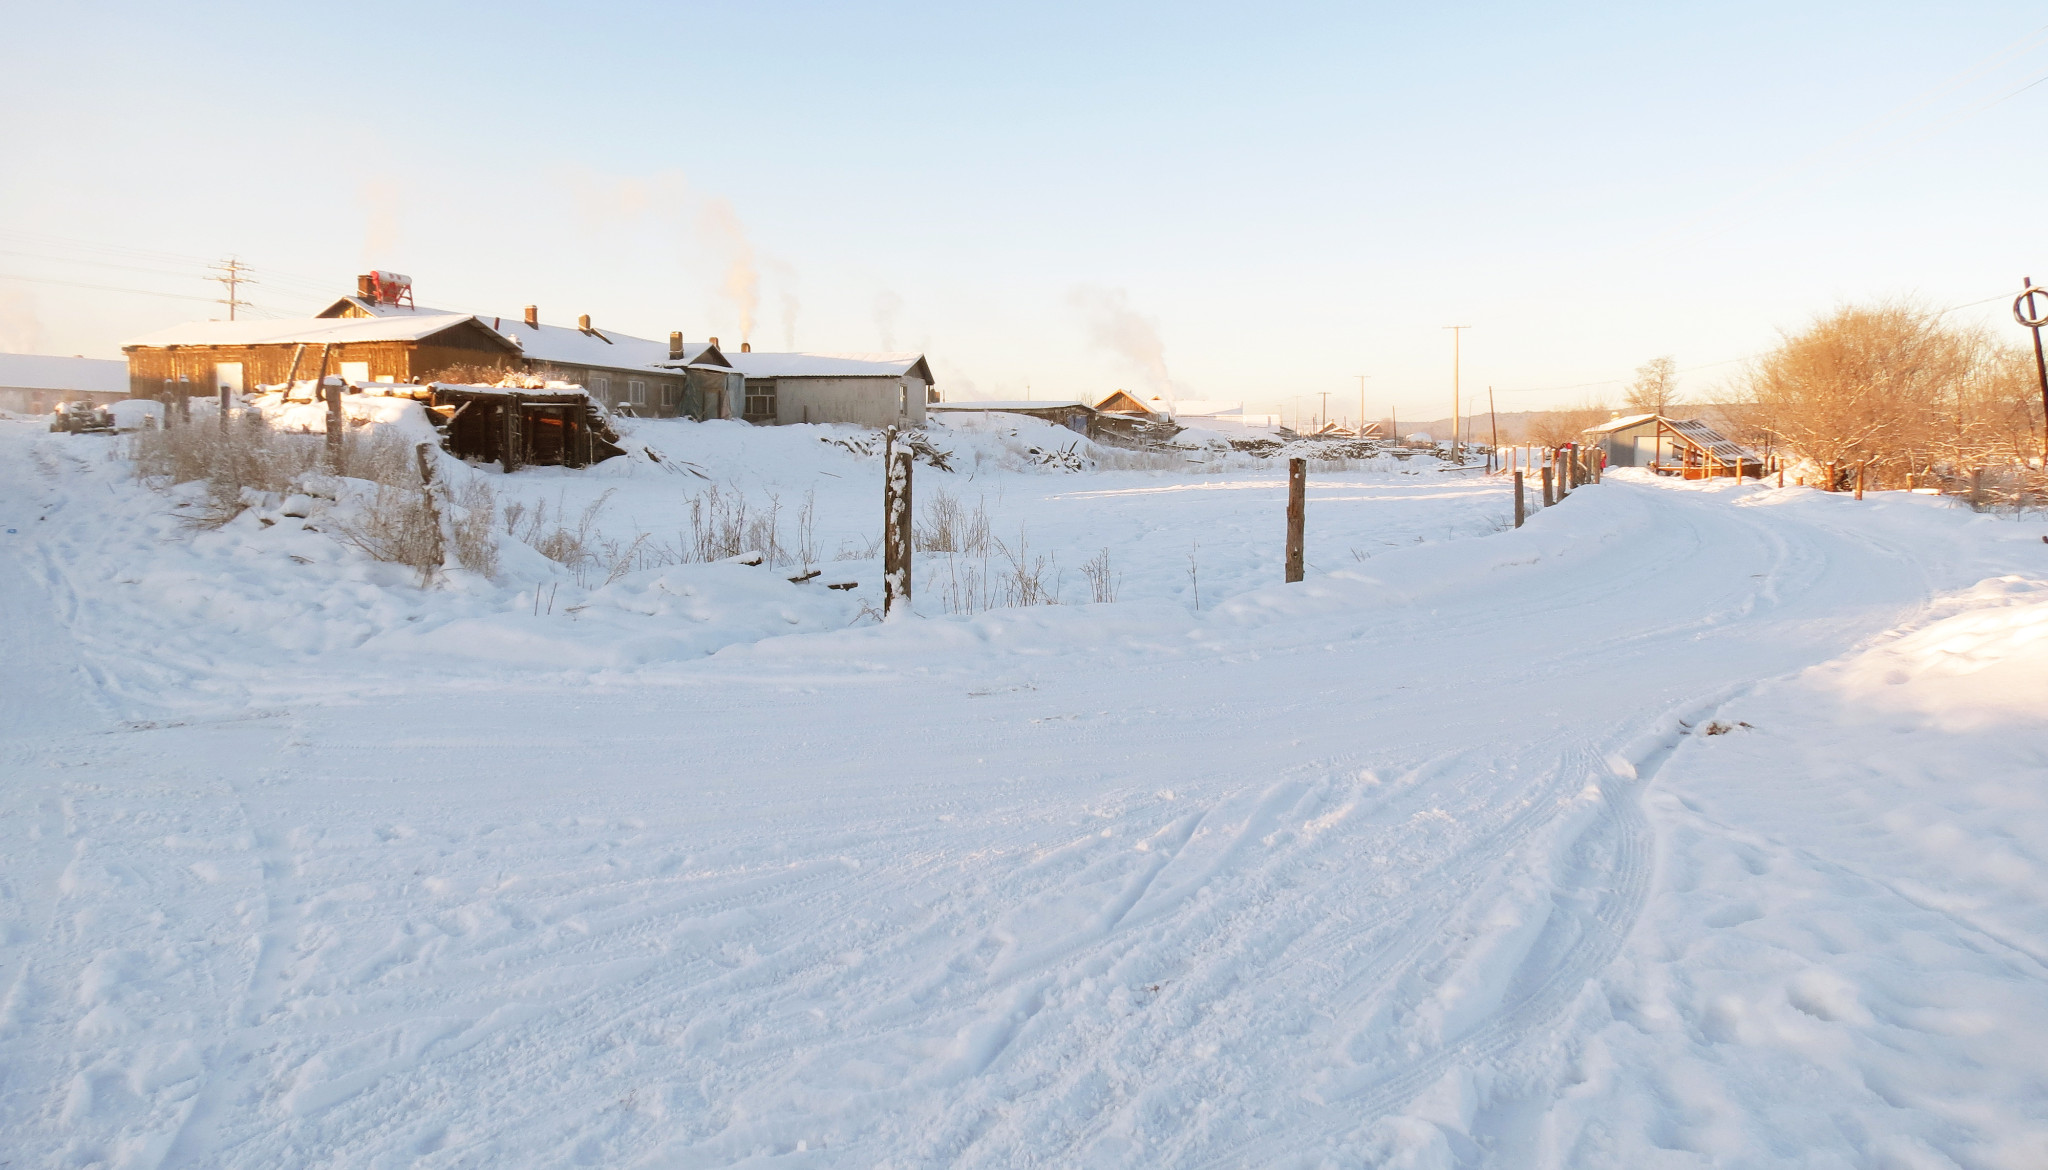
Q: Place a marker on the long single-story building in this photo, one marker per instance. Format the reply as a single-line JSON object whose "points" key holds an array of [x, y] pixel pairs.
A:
{"points": [[33, 383], [202, 357], [869, 389], [627, 374], [1072, 414], [1669, 446]]}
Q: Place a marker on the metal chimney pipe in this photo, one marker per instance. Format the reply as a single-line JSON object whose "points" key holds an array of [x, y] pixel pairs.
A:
{"points": [[675, 347], [532, 317], [746, 347]]}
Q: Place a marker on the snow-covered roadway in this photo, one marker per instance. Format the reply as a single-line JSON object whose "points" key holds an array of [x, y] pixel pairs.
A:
{"points": [[1427, 862]]}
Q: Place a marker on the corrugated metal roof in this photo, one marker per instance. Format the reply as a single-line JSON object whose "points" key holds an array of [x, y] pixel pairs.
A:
{"points": [[309, 330], [565, 344], [1705, 436]]}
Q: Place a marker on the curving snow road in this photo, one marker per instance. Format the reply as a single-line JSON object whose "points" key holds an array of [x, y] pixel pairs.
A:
{"points": [[1427, 862]]}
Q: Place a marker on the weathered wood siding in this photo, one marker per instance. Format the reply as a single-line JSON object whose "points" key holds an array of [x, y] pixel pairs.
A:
{"points": [[398, 361]]}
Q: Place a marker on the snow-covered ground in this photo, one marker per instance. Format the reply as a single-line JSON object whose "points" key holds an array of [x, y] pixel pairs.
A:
{"points": [[1689, 825]]}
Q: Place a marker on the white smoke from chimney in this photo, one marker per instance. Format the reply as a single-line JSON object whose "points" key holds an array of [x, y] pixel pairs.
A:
{"points": [[742, 283], [888, 306], [1115, 326]]}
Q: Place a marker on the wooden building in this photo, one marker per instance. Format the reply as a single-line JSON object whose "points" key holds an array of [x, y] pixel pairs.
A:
{"points": [[206, 356], [625, 374], [1668, 446]]}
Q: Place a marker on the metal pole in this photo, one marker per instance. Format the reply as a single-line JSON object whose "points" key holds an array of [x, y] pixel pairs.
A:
{"points": [[2034, 322]]}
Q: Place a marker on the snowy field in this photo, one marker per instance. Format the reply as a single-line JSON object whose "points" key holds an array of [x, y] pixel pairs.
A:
{"points": [[1689, 825]]}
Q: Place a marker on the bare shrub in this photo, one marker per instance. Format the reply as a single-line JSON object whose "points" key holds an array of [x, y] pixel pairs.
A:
{"points": [[1102, 579], [1556, 428], [553, 535], [807, 529], [1023, 577], [718, 525], [948, 527], [475, 526], [396, 526], [250, 455]]}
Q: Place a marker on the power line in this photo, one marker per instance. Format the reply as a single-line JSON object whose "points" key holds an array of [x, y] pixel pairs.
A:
{"points": [[231, 277]]}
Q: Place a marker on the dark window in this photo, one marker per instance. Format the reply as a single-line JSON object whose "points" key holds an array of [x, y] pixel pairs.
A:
{"points": [[761, 401]]}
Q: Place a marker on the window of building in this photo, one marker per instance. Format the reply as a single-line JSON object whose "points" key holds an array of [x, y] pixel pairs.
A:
{"points": [[760, 401], [668, 397], [355, 371], [601, 389], [636, 391]]}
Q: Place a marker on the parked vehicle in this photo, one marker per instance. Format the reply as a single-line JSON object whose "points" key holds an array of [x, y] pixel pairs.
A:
{"points": [[81, 417]]}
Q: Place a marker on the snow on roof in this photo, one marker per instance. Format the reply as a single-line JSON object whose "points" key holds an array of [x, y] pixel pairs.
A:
{"points": [[35, 371], [561, 344], [1205, 408], [829, 365], [1692, 429], [1620, 424], [305, 330], [1012, 404]]}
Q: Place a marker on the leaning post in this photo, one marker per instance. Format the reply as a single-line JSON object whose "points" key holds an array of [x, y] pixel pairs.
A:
{"points": [[1297, 512], [896, 524], [1521, 505]]}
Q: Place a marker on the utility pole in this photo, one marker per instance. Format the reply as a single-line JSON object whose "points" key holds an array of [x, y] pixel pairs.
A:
{"points": [[1326, 408], [1361, 404], [233, 274], [1493, 420], [1457, 332]]}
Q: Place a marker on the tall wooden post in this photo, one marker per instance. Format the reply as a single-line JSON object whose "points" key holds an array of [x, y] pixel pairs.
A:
{"points": [[1561, 459], [1521, 505], [896, 524], [223, 410], [1859, 479], [1548, 497], [335, 426], [1297, 513], [184, 398], [509, 454]]}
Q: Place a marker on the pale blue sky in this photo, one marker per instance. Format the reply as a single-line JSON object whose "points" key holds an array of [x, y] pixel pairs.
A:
{"points": [[1287, 195]]}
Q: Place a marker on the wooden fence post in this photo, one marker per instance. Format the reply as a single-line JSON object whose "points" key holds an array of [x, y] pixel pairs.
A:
{"points": [[1859, 480], [1562, 459], [332, 389], [223, 410], [897, 524], [1297, 512], [184, 398], [1548, 497], [508, 448], [1521, 505]]}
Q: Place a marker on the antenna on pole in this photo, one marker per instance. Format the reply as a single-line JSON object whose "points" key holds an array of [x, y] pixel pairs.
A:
{"points": [[233, 275], [1457, 332]]}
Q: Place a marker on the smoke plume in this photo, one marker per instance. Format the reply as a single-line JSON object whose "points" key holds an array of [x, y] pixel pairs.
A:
{"points": [[742, 284], [1115, 326], [888, 306], [21, 330]]}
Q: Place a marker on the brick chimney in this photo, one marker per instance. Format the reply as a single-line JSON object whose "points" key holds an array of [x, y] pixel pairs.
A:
{"points": [[714, 343], [532, 317], [583, 322], [746, 348], [675, 347]]}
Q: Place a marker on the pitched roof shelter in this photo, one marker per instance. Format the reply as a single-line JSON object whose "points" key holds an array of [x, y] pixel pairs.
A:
{"points": [[870, 389], [202, 357], [1668, 446]]}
